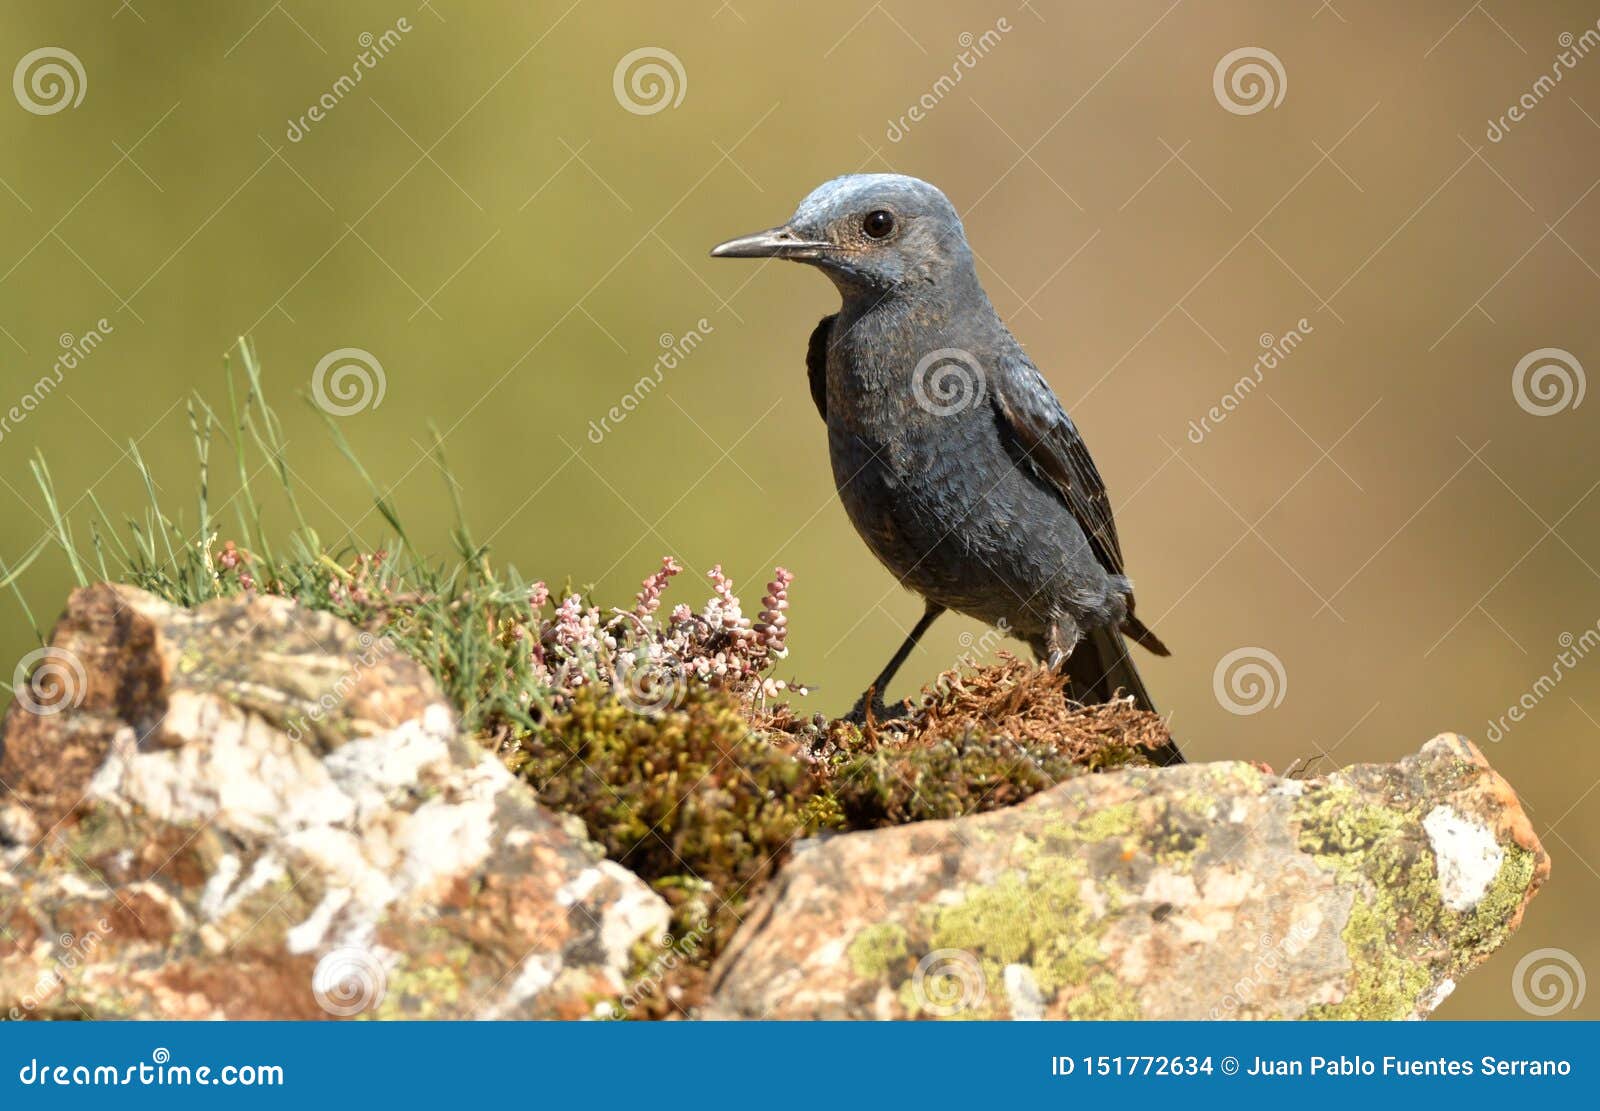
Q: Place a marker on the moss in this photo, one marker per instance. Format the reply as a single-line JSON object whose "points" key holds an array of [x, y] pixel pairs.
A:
{"points": [[685, 798], [898, 783], [704, 806], [1031, 706], [878, 950]]}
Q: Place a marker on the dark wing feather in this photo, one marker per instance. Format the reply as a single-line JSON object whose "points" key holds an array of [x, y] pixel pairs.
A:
{"points": [[1049, 441], [817, 363]]}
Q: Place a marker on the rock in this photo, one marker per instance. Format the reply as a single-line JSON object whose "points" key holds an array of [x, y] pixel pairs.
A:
{"points": [[250, 810], [1207, 891]]}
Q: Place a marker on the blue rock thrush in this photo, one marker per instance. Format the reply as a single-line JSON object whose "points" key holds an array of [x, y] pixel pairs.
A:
{"points": [[954, 459]]}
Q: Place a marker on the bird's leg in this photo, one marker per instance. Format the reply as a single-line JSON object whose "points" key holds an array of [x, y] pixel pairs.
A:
{"points": [[874, 693]]}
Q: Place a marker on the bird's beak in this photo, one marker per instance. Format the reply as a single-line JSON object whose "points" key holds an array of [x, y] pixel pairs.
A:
{"points": [[779, 242]]}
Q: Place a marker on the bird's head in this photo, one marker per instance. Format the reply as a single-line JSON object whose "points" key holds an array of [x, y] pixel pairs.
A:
{"points": [[870, 233]]}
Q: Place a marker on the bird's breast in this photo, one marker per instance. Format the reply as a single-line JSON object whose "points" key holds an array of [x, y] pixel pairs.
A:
{"points": [[907, 486]]}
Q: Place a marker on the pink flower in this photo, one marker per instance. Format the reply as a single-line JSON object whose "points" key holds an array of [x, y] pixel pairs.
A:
{"points": [[648, 600], [773, 626], [579, 645]]}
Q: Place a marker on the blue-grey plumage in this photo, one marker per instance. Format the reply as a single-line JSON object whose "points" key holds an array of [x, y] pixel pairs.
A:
{"points": [[952, 456]]}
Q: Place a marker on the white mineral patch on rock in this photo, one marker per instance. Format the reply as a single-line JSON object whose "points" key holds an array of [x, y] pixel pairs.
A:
{"points": [[1469, 857], [1439, 994], [218, 884], [308, 935], [633, 913], [1027, 1004], [537, 973]]}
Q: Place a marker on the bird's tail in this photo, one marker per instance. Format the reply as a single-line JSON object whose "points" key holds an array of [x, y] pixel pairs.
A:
{"points": [[1144, 636], [1099, 667]]}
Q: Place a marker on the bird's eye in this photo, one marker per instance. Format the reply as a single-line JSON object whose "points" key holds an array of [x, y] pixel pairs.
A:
{"points": [[878, 223]]}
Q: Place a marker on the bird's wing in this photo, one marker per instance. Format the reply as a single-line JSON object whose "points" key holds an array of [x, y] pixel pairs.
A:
{"points": [[1046, 437], [817, 363]]}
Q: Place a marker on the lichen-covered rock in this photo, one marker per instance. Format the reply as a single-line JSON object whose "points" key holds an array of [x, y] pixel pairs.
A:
{"points": [[1208, 891], [250, 810]]}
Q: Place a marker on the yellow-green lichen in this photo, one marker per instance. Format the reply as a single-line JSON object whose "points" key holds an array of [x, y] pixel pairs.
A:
{"points": [[1484, 926], [1231, 777], [1104, 998], [1118, 821], [1035, 917], [1339, 828], [878, 950], [431, 987], [1358, 840], [1036, 914], [1385, 984], [1400, 925]]}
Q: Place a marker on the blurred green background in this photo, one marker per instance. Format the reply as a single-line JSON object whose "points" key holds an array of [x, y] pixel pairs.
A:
{"points": [[484, 214]]}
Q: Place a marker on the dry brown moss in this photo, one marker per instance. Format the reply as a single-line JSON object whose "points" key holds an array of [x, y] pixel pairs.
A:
{"points": [[1027, 703], [982, 740]]}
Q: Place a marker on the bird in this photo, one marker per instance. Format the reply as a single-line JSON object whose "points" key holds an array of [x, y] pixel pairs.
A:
{"points": [[954, 459]]}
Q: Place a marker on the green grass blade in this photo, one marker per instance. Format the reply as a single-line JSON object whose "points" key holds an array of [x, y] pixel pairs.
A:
{"points": [[41, 474]]}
